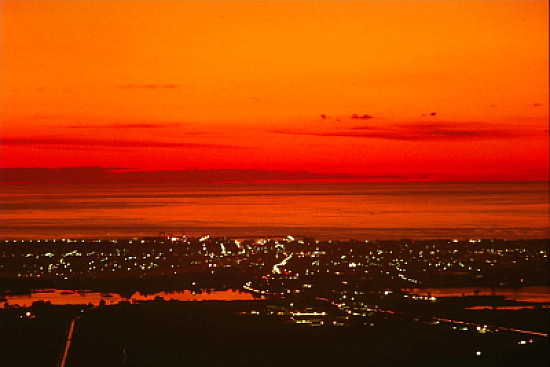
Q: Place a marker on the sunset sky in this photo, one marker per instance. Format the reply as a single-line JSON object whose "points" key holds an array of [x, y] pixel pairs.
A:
{"points": [[322, 90]]}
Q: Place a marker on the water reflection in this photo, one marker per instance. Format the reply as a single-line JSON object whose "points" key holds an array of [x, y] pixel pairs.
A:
{"points": [[506, 308], [526, 294], [79, 297]]}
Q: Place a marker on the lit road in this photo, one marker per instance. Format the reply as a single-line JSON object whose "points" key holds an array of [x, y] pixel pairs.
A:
{"points": [[483, 327], [479, 327], [276, 269], [63, 359]]}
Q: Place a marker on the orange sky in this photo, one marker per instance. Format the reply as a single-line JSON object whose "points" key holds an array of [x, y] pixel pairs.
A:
{"points": [[275, 85]]}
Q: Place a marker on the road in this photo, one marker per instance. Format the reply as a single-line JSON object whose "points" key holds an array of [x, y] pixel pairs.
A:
{"points": [[63, 359]]}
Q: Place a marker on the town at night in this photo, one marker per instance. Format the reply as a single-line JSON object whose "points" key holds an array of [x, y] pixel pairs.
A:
{"points": [[324, 302]]}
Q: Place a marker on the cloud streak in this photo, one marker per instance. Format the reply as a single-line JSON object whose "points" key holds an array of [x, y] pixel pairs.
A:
{"points": [[446, 131], [67, 143]]}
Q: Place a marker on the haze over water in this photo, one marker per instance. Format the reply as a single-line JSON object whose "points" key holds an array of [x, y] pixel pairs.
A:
{"points": [[324, 211]]}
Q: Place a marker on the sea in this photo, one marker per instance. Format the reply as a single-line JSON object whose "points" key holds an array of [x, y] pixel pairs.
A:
{"points": [[362, 211]]}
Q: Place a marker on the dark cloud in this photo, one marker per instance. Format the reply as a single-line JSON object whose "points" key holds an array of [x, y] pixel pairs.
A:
{"points": [[148, 86], [361, 117], [354, 116], [66, 143], [99, 175], [54, 175], [451, 131], [537, 105]]}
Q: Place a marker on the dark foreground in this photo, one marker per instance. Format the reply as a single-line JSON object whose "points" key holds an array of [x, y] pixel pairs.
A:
{"points": [[250, 333]]}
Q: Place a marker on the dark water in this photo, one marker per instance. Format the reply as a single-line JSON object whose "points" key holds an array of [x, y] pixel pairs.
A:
{"points": [[361, 211]]}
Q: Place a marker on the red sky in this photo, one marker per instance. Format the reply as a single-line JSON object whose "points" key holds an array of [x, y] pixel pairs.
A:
{"points": [[378, 90]]}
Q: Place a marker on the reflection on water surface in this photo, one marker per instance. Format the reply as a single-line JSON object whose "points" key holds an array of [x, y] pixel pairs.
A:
{"points": [[72, 297]]}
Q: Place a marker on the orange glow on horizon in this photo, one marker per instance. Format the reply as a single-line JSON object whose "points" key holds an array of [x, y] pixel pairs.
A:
{"points": [[452, 89]]}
